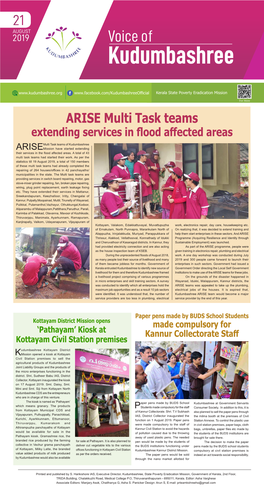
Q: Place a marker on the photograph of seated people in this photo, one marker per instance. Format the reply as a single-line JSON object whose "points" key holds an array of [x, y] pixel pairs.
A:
{"points": [[172, 181], [178, 371]]}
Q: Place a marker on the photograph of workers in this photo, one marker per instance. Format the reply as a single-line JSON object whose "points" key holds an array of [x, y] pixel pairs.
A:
{"points": [[52, 263], [171, 181], [102, 393], [193, 370]]}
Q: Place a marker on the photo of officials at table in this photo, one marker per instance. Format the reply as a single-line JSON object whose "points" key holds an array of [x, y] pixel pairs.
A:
{"points": [[171, 181]]}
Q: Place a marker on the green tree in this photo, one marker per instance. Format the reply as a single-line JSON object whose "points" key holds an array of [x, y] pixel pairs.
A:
{"points": [[122, 395], [117, 353], [244, 170]]}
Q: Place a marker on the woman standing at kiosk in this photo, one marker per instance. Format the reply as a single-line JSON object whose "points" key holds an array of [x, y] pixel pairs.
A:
{"points": [[93, 413]]}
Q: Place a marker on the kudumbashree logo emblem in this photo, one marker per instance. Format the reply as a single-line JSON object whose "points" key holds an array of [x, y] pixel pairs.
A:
{"points": [[82, 359], [62, 43]]}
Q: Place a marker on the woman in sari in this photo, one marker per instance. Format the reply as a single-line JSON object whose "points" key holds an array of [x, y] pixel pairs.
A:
{"points": [[174, 368], [155, 172], [109, 403], [116, 414], [129, 163], [93, 413]]}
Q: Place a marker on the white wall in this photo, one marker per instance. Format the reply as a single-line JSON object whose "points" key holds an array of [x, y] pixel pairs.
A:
{"points": [[101, 162]]}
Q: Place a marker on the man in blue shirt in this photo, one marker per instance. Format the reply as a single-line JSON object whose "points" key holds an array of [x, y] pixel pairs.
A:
{"points": [[145, 354], [142, 391]]}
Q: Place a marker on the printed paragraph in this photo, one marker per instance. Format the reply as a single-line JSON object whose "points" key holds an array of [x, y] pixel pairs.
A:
{"points": [[155, 425], [132, 263], [52, 184], [212, 262], [221, 429], [101, 447]]}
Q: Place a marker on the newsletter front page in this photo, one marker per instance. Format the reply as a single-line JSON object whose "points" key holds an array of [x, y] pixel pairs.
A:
{"points": [[131, 143]]}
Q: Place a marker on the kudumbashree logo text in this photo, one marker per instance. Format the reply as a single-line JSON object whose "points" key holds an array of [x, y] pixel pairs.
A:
{"points": [[141, 56], [62, 44]]}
